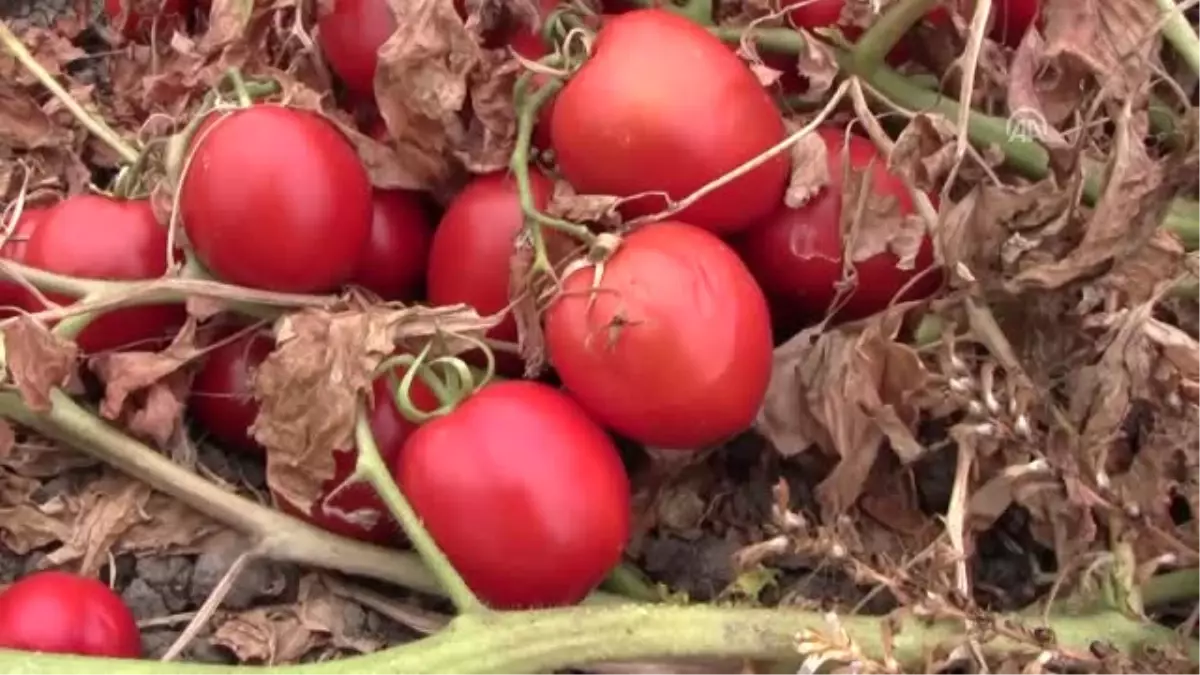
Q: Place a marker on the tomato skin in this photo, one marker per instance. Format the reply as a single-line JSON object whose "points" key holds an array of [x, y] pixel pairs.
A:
{"points": [[797, 254], [662, 105], [222, 398], [170, 16], [12, 294], [523, 492], [350, 36], [473, 246], [276, 198], [61, 613], [688, 367], [95, 237], [395, 259]]}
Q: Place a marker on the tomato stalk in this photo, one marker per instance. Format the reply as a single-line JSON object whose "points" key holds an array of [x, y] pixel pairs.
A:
{"points": [[1180, 33], [891, 26], [371, 468]]}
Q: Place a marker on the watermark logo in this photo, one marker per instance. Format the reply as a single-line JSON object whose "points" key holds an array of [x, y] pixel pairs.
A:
{"points": [[1025, 124]]}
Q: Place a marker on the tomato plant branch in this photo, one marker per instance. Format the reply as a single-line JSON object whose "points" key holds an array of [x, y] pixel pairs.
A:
{"points": [[891, 26], [1171, 587], [372, 469], [549, 640], [112, 139], [1180, 34], [279, 536]]}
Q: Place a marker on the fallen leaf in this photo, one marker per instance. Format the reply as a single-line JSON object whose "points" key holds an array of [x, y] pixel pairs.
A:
{"points": [[1136, 277], [38, 360], [23, 124], [35, 457], [817, 65], [1031, 98], [1113, 41], [872, 223], [25, 525], [810, 168], [924, 152], [491, 134], [569, 205], [103, 513], [319, 619]]}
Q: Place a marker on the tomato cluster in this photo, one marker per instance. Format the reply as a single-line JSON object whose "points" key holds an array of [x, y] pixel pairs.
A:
{"points": [[667, 343]]}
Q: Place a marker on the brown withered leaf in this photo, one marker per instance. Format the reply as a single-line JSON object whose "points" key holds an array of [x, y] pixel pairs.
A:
{"points": [[817, 64], [845, 393], [318, 620], [1136, 277], [422, 83], [51, 48], [924, 152], [228, 23], [1135, 199], [24, 524], [1044, 105], [38, 360], [872, 223], [172, 527], [492, 131], [567, 204], [147, 389], [23, 123], [526, 290], [810, 167], [1110, 40], [8, 440], [35, 457]]}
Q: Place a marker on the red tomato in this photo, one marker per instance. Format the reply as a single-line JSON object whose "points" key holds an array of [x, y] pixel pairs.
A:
{"points": [[12, 294], [350, 36], [1008, 23], [523, 492], [674, 350], [222, 398], [276, 198], [527, 41], [473, 246], [797, 254], [662, 105], [148, 16], [394, 262], [62, 613], [96, 237], [814, 14]]}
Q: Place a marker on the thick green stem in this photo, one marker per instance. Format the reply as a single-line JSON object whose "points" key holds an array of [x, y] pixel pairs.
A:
{"points": [[1179, 33], [371, 468], [1171, 587], [891, 26], [546, 641], [112, 139]]}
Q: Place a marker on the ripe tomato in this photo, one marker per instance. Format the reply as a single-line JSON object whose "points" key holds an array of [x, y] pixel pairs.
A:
{"points": [[350, 35], [397, 254], [797, 254], [276, 198], [62, 613], [13, 296], [674, 350], [662, 105], [95, 237], [222, 397], [473, 246], [523, 492], [148, 16]]}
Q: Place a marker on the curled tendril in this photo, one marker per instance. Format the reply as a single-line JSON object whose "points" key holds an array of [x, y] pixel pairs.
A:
{"points": [[451, 386]]}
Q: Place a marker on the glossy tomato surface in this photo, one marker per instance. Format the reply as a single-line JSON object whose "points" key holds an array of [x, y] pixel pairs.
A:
{"points": [[61, 613], [146, 17], [95, 237], [222, 398], [277, 199], [674, 350], [350, 36], [797, 254], [473, 248], [524, 493], [662, 105], [394, 262], [13, 296]]}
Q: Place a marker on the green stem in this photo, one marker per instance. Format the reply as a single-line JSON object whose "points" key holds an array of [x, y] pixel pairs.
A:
{"points": [[629, 582], [1179, 33], [874, 45], [238, 84], [550, 640], [1171, 587], [372, 469], [97, 127], [699, 11]]}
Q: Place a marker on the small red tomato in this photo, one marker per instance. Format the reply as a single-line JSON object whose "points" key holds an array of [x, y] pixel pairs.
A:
{"points": [[473, 247], [61, 613], [146, 17], [222, 398], [525, 495], [350, 35], [397, 255], [95, 237], [674, 348], [797, 254], [664, 106], [276, 198], [14, 296]]}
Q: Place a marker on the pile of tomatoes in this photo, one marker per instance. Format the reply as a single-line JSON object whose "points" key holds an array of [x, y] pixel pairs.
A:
{"points": [[521, 484]]}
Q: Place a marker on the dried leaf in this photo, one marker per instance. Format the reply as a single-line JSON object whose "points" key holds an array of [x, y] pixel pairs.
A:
{"points": [[1112, 40], [492, 132], [845, 393], [35, 457], [25, 525], [1041, 107], [818, 65], [567, 204], [318, 619], [23, 124], [872, 223], [924, 152], [38, 360], [810, 168]]}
